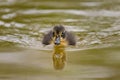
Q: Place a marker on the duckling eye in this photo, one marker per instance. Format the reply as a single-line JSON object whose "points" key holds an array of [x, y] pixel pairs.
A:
{"points": [[63, 34]]}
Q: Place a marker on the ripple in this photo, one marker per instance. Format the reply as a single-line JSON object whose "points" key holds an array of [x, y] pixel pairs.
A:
{"points": [[91, 4], [70, 20], [5, 10], [9, 16], [106, 13], [1, 23], [7, 2], [10, 38], [116, 28], [74, 28], [12, 24]]}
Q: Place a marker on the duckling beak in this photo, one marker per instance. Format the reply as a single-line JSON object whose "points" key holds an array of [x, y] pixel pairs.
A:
{"points": [[57, 40]]}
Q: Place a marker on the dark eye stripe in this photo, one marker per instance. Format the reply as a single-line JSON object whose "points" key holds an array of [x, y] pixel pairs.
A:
{"points": [[63, 34], [53, 34]]}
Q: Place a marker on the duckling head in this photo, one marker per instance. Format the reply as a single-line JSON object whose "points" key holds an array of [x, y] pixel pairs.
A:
{"points": [[58, 34]]}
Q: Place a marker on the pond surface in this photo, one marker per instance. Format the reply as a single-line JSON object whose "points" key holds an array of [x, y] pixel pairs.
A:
{"points": [[96, 24]]}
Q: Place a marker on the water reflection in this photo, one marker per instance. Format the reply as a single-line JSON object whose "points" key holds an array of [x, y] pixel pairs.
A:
{"points": [[59, 58]]}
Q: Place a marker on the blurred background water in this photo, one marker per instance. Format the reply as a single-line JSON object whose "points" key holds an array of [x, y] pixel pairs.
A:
{"points": [[96, 24]]}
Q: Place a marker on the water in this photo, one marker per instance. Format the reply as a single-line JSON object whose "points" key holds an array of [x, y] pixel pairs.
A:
{"points": [[96, 24]]}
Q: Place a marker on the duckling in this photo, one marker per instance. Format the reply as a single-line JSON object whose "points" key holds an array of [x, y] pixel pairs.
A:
{"points": [[60, 38], [59, 35]]}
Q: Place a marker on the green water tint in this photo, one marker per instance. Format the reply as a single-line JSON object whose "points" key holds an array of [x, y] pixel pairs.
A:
{"points": [[96, 24]]}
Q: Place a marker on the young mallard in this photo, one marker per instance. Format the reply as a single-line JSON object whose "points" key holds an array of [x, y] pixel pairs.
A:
{"points": [[60, 38]]}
